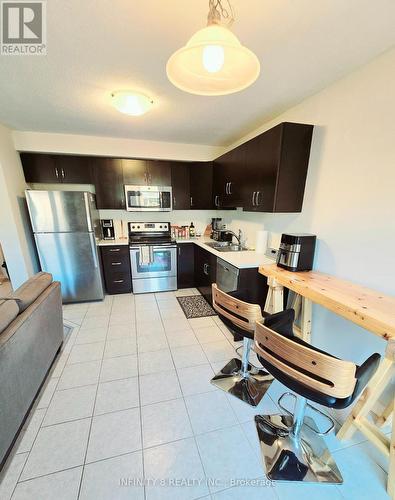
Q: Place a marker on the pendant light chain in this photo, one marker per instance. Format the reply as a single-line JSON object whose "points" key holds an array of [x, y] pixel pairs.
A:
{"points": [[218, 14]]}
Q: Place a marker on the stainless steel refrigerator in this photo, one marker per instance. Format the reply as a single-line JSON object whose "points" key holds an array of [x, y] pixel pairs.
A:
{"points": [[65, 226]]}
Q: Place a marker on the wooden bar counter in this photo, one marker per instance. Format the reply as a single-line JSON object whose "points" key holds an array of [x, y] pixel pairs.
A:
{"points": [[367, 308]]}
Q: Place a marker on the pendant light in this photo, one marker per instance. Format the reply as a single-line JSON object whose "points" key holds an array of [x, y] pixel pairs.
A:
{"points": [[214, 62]]}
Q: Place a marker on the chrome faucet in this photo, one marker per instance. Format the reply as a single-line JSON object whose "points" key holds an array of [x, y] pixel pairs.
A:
{"points": [[238, 237]]}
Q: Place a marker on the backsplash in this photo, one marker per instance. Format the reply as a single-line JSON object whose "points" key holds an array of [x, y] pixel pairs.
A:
{"points": [[249, 222]]}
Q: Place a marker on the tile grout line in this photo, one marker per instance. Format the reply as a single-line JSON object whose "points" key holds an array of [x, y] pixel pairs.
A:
{"points": [[189, 419], [93, 410], [140, 411]]}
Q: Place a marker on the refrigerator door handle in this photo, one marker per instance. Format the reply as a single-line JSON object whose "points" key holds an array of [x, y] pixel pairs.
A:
{"points": [[94, 250], [88, 212]]}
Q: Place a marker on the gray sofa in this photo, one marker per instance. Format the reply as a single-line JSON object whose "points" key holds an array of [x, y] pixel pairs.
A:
{"points": [[31, 333]]}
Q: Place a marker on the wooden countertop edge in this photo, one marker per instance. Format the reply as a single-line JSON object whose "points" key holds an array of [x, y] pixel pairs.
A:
{"points": [[353, 302]]}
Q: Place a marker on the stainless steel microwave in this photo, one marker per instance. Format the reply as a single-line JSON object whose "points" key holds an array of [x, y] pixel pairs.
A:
{"points": [[148, 198]]}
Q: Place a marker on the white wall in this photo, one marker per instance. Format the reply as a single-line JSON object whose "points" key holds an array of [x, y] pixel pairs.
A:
{"points": [[15, 234], [200, 218], [350, 193], [110, 146]]}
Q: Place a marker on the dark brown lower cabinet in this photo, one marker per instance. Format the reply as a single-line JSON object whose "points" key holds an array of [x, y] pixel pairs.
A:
{"points": [[205, 272], [186, 265], [116, 269]]}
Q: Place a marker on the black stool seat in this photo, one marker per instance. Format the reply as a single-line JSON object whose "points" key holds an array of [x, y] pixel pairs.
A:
{"points": [[282, 323]]}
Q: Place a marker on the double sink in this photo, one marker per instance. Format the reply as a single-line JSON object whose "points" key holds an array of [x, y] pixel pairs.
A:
{"points": [[226, 246]]}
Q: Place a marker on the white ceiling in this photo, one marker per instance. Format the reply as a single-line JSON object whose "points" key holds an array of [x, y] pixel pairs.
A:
{"points": [[96, 46]]}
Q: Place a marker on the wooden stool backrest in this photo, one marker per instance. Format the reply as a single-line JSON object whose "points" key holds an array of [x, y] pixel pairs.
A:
{"points": [[241, 314], [330, 376]]}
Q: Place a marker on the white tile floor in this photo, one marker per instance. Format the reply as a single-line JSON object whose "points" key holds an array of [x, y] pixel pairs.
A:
{"points": [[129, 398]]}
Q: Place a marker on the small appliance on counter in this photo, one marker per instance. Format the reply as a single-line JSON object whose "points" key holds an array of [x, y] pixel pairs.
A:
{"points": [[108, 230], [296, 252], [219, 230]]}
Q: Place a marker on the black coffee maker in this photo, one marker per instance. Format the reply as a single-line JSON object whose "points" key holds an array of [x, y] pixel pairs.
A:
{"points": [[108, 230], [296, 252]]}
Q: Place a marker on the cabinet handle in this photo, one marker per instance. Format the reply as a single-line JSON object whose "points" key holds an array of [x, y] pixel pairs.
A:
{"points": [[179, 250], [216, 201], [115, 249], [57, 173], [174, 201], [226, 188], [191, 201], [62, 172], [230, 189], [257, 198], [116, 263], [253, 199], [118, 281]]}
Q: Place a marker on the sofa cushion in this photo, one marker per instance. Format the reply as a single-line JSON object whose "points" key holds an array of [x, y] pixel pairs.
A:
{"points": [[31, 290], [9, 310]]}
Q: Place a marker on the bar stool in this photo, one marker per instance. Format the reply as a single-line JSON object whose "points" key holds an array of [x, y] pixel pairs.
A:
{"points": [[291, 446], [239, 377]]}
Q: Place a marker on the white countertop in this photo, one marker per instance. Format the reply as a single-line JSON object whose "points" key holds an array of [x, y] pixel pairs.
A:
{"points": [[117, 242], [241, 260]]}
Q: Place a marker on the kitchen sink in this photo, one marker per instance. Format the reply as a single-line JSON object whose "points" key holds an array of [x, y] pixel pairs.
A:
{"points": [[226, 246]]}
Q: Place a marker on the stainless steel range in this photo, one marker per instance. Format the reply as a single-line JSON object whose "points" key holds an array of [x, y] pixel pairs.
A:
{"points": [[153, 257]]}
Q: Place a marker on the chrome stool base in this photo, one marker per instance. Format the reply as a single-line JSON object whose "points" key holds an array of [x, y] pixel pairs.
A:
{"points": [[248, 385], [302, 457]]}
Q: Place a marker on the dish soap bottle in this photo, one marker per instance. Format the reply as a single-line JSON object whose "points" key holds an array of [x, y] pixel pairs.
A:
{"points": [[191, 230]]}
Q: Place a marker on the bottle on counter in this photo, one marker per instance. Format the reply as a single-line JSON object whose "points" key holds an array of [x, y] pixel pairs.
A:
{"points": [[191, 230]]}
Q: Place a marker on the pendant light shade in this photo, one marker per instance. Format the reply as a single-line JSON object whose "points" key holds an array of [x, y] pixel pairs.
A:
{"points": [[213, 62]]}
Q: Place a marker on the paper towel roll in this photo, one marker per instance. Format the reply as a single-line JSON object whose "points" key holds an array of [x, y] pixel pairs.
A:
{"points": [[261, 241]]}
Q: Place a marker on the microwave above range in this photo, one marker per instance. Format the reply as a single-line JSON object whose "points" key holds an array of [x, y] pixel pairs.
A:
{"points": [[148, 198]]}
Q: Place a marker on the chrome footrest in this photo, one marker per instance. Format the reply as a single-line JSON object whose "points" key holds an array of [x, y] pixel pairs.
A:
{"points": [[288, 412]]}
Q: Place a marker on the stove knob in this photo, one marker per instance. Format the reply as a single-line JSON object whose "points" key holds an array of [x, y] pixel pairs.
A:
{"points": [[160, 227], [133, 227], [138, 227]]}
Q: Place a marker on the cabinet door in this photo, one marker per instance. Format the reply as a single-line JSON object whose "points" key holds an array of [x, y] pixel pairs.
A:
{"points": [[159, 172], [180, 184], [186, 265], [74, 169], [205, 272], [230, 176], [40, 168], [135, 172], [201, 183], [262, 160], [108, 181]]}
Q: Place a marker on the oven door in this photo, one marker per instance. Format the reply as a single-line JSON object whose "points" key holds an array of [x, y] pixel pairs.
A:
{"points": [[163, 262], [148, 198]]}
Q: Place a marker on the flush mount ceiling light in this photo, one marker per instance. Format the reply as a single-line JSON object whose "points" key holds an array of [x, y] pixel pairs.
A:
{"points": [[131, 103], [214, 62]]}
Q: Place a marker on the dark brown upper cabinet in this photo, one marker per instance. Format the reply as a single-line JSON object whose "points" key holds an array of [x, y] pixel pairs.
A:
{"points": [[134, 172], [146, 172], [159, 172], [229, 178], [201, 185], [47, 168], [107, 176], [180, 180], [275, 170], [74, 169], [39, 168]]}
